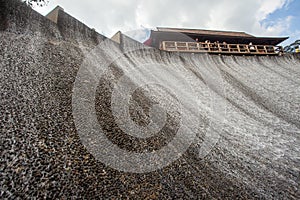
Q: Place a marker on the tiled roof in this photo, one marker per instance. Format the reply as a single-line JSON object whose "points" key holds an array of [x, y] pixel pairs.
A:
{"points": [[205, 32]]}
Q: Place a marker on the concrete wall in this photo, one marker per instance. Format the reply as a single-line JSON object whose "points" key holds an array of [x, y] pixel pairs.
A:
{"points": [[53, 15], [19, 18], [72, 29], [117, 37]]}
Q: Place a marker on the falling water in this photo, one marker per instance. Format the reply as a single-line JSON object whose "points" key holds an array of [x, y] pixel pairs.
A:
{"points": [[86, 120]]}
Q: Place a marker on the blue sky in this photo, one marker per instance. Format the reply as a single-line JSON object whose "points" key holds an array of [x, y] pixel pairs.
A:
{"points": [[257, 17], [292, 9]]}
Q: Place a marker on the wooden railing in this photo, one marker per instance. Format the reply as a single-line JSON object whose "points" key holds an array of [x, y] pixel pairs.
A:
{"points": [[220, 48]]}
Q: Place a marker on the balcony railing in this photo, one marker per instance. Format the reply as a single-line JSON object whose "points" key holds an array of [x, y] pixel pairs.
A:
{"points": [[220, 48]]}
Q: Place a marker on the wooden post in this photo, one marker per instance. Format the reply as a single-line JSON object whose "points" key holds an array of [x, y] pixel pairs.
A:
{"points": [[238, 47], [265, 49]]}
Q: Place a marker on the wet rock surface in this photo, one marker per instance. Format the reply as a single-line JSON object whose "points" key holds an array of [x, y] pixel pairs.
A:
{"points": [[42, 155]]}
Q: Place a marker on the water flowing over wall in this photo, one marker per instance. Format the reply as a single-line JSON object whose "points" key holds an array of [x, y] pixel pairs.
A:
{"points": [[236, 119]]}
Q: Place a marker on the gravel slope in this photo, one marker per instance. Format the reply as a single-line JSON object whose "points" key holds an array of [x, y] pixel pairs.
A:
{"points": [[42, 153]]}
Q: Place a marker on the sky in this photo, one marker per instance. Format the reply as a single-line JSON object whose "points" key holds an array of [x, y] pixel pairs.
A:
{"points": [[137, 17]]}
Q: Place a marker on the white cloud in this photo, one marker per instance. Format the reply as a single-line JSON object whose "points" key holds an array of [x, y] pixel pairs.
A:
{"points": [[277, 27], [109, 16], [140, 34]]}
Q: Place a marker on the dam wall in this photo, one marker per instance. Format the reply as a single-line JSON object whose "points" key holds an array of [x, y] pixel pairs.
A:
{"points": [[232, 121]]}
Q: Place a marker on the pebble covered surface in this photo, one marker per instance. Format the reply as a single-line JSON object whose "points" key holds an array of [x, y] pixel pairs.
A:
{"points": [[256, 157]]}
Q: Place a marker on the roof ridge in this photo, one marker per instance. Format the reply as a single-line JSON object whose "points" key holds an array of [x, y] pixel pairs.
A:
{"points": [[195, 29]]}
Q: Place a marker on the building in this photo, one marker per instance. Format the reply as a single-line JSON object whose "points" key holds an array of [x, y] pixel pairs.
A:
{"points": [[211, 41], [293, 48]]}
